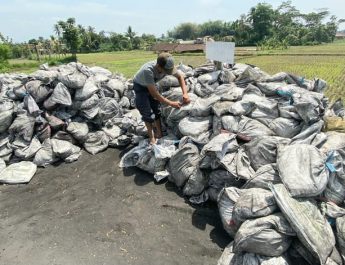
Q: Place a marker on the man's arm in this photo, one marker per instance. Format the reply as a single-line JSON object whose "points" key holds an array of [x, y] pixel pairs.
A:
{"points": [[185, 97], [154, 93]]}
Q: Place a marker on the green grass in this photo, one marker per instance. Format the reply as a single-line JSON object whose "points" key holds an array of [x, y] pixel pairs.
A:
{"points": [[129, 62], [335, 48], [28, 66]]}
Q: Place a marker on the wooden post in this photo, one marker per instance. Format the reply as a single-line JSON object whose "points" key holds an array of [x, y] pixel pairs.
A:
{"points": [[37, 53], [219, 65]]}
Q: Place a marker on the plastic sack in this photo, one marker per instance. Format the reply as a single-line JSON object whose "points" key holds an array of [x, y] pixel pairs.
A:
{"points": [[23, 125], [29, 151], [284, 127], [253, 203], [88, 89], [226, 202], [196, 183], [96, 142], [116, 85], [311, 227], [60, 96], [45, 155], [238, 164], [193, 126], [31, 106], [230, 258], [37, 90], [268, 236], [183, 163], [5, 147], [72, 78], [336, 124], [219, 179], [6, 115], [263, 176], [79, 130], [302, 169], [263, 150], [221, 107], [18, 173], [108, 109], [65, 150]]}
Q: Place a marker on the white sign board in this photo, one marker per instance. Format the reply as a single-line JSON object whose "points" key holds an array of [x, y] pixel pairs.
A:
{"points": [[220, 51]]}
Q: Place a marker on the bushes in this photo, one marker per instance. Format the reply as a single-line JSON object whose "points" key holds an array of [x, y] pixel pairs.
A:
{"points": [[5, 54]]}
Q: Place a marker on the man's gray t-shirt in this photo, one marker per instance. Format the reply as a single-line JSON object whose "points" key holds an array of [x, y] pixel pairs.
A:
{"points": [[149, 75]]}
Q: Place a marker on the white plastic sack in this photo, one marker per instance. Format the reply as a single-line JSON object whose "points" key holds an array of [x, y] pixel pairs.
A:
{"points": [[312, 229], [268, 236], [6, 115], [65, 150], [18, 173], [226, 202], [2, 165], [45, 155], [96, 142], [302, 169], [193, 126], [28, 151], [263, 176], [78, 130], [253, 203]]}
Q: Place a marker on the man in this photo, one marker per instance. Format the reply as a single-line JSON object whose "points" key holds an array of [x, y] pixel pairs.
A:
{"points": [[147, 97]]}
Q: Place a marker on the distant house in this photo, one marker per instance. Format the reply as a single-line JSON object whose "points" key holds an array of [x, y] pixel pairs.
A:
{"points": [[340, 35], [164, 47], [197, 45], [178, 47]]}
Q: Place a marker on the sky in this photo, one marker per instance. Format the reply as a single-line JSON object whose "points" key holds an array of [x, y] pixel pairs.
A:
{"points": [[22, 20]]}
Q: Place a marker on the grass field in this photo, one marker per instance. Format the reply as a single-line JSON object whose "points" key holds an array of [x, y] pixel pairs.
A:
{"points": [[323, 61]]}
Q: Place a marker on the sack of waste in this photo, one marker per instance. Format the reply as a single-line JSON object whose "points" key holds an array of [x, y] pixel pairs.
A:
{"points": [[183, 163], [302, 169], [18, 173], [268, 236], [253, 203], [312, 229], [226, 202], [230, 258]]}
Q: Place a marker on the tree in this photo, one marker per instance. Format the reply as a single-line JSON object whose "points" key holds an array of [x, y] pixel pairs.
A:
{"points": [[70, 35], [261, 17], [130, 33], [242, 30], [215, 28], [185, 31], [5, 54]]}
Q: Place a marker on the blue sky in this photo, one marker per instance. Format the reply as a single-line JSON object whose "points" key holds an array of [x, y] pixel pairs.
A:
{"points": [[22, 20]]}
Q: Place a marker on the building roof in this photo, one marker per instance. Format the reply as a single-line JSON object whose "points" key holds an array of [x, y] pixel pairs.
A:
{"points": [[176, 47], [340, 34]]}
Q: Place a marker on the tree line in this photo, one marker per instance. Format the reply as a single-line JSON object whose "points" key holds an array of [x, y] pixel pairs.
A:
{"points": [[262, 26]]}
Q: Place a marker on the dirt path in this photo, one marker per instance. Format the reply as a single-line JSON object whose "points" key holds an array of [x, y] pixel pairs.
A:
{"points": [[92, 212]]}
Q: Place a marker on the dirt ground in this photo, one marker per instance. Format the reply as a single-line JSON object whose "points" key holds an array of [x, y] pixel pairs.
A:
{"points": [[93, 212]]}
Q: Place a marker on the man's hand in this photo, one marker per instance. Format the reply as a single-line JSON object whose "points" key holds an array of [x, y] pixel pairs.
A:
{"points": [[185, 99], [175, 104]]}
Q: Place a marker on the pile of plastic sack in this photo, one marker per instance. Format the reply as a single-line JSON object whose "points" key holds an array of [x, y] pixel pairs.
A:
{"points": [[251, 142], [49, 115]]}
